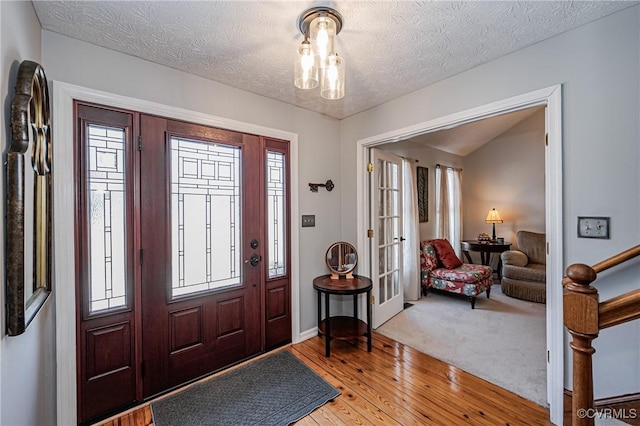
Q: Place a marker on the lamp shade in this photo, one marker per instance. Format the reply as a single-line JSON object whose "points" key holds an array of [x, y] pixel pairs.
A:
{"points": [[493, 217], [332, 82], [323, 32], [306, 73]]}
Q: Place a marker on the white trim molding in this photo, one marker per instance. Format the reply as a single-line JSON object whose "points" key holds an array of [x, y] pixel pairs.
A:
{"points": [[64, 252], [551, 97]]}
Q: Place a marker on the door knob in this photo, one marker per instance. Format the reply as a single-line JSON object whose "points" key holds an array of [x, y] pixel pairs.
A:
{"points": [[254, 259]]}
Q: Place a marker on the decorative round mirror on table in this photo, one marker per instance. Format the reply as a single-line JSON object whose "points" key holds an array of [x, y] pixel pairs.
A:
{"points": [[341, 259]]}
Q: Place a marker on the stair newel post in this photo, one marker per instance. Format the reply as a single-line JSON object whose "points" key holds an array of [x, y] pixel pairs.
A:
{"points": [[580, 302]]}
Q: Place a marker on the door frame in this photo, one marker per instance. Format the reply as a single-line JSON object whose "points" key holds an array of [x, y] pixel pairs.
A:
{"points": [[64, 232], [551, 97]]}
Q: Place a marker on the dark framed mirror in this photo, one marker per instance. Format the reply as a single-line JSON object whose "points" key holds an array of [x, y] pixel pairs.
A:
{"points": [[29, 200], [341, 259]]}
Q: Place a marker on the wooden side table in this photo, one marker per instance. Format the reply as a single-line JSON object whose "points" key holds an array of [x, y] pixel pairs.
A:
{"points": [[485, 248], [343, 327]]}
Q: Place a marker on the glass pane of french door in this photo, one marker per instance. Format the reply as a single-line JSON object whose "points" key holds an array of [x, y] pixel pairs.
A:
{"points": [[389, 232]]}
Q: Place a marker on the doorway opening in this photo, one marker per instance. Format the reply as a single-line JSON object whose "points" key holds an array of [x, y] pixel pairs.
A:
{"points": [[501, 166], [551, 99]]}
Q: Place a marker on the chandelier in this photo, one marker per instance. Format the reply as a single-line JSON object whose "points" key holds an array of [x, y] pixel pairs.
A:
{"points": [[317, 62]]}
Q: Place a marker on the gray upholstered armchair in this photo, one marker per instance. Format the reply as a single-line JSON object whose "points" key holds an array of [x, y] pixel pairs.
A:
{"points": [[524, 269]]}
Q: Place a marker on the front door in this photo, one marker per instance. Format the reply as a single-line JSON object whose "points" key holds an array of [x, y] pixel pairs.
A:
{"points": [[202, 246], [183, 253], [386, 248]]}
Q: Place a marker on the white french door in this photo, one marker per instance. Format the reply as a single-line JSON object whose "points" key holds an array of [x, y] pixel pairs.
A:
{"points": [[387, 241]]}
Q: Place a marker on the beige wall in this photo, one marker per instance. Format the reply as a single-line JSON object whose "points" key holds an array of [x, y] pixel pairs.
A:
{"points": [[506, 174]]}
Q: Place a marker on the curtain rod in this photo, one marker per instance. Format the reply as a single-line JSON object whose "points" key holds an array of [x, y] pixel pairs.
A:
{"points": [[410, 159], [449, 167]]}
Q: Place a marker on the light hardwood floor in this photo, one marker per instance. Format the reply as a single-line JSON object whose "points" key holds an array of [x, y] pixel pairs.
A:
{"points": [[395, 385]]}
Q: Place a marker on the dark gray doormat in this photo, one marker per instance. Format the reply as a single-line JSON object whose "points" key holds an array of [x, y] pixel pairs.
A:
{"points": [[276, 390]]}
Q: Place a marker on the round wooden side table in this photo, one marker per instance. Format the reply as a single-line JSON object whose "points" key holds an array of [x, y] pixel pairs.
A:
{"points": [[343, 327]]}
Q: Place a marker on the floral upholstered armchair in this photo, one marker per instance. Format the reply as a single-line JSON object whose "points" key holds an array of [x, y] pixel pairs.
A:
{"points": [[441, 269]]}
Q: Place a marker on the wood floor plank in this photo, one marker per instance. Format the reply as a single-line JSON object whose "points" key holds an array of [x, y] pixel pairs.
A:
{"points": [[138, 417], [326, 416], [395, 385], [307, 421]]}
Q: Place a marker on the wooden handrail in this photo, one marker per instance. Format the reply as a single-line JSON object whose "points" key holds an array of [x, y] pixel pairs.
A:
{"points": [[611, 262], [619, 310], [585, 316]]}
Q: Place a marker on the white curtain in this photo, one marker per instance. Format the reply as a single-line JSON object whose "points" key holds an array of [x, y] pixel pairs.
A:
{"points": [[449, 205], [411, 232]]}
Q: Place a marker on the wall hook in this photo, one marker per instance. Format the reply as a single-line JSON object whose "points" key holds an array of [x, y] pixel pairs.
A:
{"points": [[328, 185]]}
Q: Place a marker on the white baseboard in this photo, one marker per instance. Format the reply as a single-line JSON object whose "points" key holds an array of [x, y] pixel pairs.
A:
{"points": [[305, 335]]}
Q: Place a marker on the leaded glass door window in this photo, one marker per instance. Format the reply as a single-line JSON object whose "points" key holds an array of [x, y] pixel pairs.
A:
{"points": [[106, 204], [205, 216], [276, 213]]}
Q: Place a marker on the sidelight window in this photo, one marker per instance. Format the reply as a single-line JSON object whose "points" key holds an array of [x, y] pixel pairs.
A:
{"points": [[106, 217], [276, 211]]}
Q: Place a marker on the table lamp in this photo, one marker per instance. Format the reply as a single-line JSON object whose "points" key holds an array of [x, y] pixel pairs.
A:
{"points": [[493, 217]]}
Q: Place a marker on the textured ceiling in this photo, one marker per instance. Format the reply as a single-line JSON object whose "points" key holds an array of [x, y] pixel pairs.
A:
{"points": [[390, 48]]}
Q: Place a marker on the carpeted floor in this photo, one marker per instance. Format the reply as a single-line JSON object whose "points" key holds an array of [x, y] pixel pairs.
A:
{"points": [[275, 390], [502, 340]]}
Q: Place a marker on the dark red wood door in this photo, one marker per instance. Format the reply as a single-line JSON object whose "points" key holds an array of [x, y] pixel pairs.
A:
{"points": [[203, 205]]}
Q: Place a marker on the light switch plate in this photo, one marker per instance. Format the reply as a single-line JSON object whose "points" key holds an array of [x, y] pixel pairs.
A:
{"points": [[593, 227]]}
